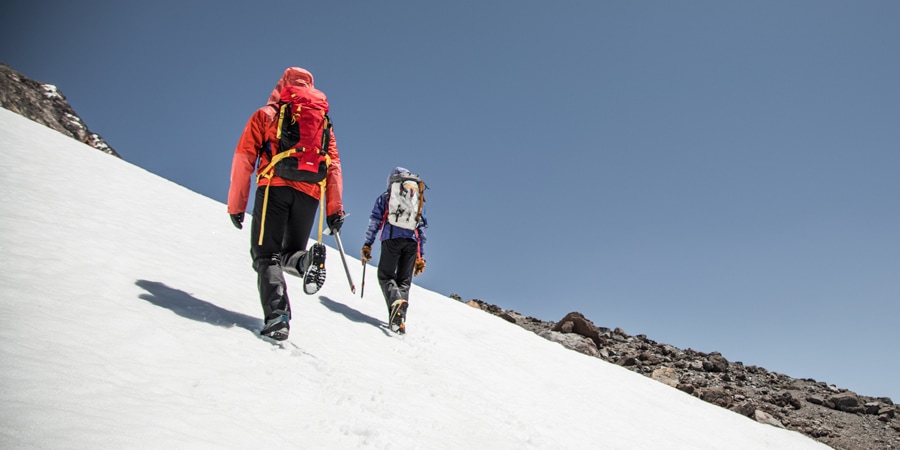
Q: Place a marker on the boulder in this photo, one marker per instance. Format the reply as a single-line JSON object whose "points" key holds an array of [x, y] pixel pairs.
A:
{"points": [[572, 342], [764, 417], [845, 401], [715, 363], [576, 323], [666, 375]]}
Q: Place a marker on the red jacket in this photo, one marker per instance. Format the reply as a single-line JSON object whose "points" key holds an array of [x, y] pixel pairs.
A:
{"points": [[261, 128]]}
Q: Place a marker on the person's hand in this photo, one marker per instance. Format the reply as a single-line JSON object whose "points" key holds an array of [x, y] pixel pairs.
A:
{"points": [[238, 220], [366, 253], [335, 221], [419, 268]]}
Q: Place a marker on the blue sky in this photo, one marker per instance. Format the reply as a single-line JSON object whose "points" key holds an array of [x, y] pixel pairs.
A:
{"points": [[717, 175]]}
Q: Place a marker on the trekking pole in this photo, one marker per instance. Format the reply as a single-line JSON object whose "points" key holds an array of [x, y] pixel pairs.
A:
{"points": [[337, 238], [362, 287]]}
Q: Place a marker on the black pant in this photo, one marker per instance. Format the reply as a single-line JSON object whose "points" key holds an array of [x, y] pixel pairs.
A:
{"points": [[289, 219], [395, 268]]}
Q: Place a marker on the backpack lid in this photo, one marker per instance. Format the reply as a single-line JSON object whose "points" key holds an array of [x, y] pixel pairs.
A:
{"points": [[400, 173], [306, 96], [397, 171]]}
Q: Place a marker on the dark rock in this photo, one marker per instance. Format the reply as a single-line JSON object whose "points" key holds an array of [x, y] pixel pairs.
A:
{"points": [[507, 317], [575, 322], [785, 399], [744, 409], [46, 105], [846, 401], [717, 396], [872, 407], [815, 400], [715, 363]]}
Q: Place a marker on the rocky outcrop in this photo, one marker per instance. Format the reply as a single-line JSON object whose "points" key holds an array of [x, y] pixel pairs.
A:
{"points": [[837, 417], [45, 104]]}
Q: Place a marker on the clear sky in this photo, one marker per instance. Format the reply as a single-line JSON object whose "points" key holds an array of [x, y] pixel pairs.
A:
{"points": [[724, 173]]}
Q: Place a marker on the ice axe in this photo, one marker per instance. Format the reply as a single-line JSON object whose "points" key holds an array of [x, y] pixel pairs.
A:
{"points": [[337, 238]]}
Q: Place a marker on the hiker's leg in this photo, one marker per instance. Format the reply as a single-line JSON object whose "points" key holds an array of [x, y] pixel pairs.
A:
{"points": [[270, 279], [387, 271], [409, 250], [299, 222]]}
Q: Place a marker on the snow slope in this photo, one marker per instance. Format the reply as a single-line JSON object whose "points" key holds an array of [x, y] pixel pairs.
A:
{"points": [[128, 319]]}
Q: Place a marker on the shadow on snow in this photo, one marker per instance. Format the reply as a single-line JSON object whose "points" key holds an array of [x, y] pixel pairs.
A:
{"points": [[188, 306], [350, 313]]}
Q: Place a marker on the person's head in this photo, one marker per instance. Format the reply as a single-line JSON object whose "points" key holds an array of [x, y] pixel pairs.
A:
{"points": [[293, 76], [397, 171]]}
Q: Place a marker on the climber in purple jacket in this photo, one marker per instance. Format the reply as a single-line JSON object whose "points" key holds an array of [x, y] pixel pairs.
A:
{"points": [[398, 213]]}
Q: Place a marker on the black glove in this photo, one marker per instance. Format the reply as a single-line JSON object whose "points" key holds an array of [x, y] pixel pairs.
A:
{"points": [[237, 220], [335, 221]]}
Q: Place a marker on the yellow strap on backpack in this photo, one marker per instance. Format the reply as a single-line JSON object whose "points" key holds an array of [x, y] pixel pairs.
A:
{"points": [[321, 209], [268, 172]]}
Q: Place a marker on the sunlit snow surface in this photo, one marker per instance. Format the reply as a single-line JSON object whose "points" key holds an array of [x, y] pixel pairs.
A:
{"points": [[129, 318]]}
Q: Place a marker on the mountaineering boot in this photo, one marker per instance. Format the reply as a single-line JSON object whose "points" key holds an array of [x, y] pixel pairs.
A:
{"points": [[297, 263], [315, 269], [398, 316], [278, 326]]}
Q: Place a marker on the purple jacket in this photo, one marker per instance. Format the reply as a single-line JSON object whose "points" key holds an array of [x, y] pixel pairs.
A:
{"points": [[377, 222]]}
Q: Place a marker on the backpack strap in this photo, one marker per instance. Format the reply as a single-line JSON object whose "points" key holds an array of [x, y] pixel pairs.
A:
{"points": [[326, 133], [266, 147], [384, 216], [281, 119], [422, 188]]}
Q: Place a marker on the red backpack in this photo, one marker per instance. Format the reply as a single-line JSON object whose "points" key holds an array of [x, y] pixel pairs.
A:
{"points": [[303, 132]]}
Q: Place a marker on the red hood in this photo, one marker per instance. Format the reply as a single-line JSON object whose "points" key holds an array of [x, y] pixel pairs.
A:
{"points": [[293, 76]]}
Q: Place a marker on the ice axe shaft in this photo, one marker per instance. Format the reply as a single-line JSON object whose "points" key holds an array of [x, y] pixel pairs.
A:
{"points": [[337, 238]]}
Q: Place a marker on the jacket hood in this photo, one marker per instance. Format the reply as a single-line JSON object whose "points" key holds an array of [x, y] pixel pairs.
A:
{"points": [[293, 76]]}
